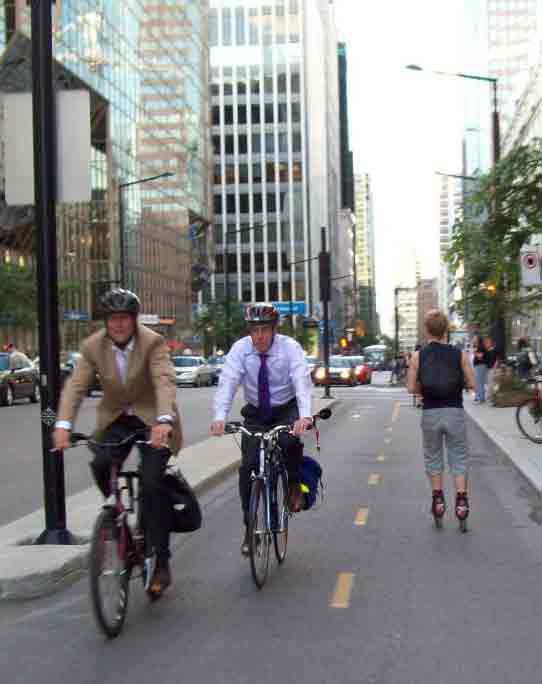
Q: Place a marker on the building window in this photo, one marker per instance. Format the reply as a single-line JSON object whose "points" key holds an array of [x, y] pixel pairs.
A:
{"points": [[256, 143], [226, 26], [229, 144], [243, 173], [228, 115], [230, 204], [281, 84], [269, 143], [297, 172], [253, 26], [213, 28], [242, 141], [230, 174], [268, 85], [242, 114], [295, 83], [258, 204], [257, 172], [216, 116], [216, 144], [217, 177], [239, 25], [269, 113], [283, 112], [255, 114], [244, 207], [296, 112], [218, 204]]}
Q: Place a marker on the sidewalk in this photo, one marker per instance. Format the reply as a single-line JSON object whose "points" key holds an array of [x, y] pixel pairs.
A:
{"points": [[28, 571], [499, 424]]}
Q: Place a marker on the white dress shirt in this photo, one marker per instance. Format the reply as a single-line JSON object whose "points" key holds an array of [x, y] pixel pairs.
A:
{"points": [[289, 376]]}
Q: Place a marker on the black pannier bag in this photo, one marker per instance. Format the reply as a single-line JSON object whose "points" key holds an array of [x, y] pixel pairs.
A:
{"points": [[185, 509]]}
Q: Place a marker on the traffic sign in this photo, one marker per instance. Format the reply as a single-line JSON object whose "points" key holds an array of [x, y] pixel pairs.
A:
{"points": [[149, 319], [531, 265], [76, 316], [298, 308]]}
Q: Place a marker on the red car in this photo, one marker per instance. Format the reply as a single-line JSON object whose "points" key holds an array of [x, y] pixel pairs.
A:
{"points": [[362, 368]]}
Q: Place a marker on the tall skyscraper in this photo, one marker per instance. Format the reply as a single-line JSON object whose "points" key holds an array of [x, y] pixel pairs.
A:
{"points": [[364, 252], [428, 298], [347, 163], [512, 25], [275, 133], [451, 201]]}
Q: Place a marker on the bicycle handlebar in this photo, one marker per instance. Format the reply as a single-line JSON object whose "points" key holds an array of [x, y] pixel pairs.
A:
{"points": [[234, 427], [79, 437]]}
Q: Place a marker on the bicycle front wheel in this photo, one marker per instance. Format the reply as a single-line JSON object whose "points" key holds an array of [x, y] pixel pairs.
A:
{"points": [[109, 574], [281, 515], [259, 534], [529, 419]]}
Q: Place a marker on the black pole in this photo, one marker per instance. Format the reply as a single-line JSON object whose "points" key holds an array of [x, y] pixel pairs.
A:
{"points": [[122, 247], [396, 302], [227, 288], [325, 311], [499, 331], [290, 279], [44, 123]]}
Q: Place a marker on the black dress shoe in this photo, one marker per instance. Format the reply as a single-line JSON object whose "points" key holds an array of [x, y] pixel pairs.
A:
{"points": [[162, 576]]}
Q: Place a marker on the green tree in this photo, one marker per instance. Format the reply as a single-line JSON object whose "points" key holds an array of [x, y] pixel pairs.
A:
{"points": [[213, 325], [18, 290], [499, 217]]}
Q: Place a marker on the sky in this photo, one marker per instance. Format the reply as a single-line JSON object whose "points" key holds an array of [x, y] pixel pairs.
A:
{"points": [[404, 125]]}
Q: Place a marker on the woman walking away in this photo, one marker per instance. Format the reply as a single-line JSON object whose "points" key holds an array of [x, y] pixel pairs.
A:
{"points": [[480, 369]]}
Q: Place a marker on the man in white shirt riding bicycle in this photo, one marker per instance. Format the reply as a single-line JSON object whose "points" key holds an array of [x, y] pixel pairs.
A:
{"points": [[276, 380]]}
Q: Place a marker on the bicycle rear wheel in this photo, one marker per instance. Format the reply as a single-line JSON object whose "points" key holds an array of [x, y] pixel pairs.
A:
{"points": [[281, 515], [109, 573], [529, 419], [258, 534]]}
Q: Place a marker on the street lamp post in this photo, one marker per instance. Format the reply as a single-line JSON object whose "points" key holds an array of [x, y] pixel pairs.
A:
{"points": [[500, 326], [122, 250]]}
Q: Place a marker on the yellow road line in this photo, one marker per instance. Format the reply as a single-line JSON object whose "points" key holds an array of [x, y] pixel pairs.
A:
{"points": [[374, 479], [343, 590], [361, 517], [396, 409]]}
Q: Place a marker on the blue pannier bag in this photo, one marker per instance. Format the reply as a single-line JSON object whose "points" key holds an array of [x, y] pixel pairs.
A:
{"points": [[311, 478]]}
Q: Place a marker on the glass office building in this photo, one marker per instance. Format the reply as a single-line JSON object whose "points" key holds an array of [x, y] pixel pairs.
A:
{"points": [[145, 64]]}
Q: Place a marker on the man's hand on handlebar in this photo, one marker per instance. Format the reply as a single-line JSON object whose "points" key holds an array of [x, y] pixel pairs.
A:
{"points": [[301, 426], [218, 428], [160, 435], [61, 439]]}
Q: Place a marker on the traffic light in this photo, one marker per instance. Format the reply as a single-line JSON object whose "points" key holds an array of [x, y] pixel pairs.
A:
{"points": [[343, 343], [492, 288], [324, 264]]}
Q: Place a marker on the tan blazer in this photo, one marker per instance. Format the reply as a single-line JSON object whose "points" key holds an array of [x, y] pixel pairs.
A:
{"points": [[149, 391]]}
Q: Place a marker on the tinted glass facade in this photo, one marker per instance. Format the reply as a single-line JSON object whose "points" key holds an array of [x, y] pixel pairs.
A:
{"points": [[145, 63]]}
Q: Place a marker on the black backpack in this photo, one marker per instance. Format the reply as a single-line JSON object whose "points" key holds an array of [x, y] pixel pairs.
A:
{"points": [[440, 373]]}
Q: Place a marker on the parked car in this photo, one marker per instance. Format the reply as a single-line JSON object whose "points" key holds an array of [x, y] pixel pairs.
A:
{"points": [[68, 361], [19, 378], [216, 363], [341, 372], [193, 370], [312, 362], [363, 370]]}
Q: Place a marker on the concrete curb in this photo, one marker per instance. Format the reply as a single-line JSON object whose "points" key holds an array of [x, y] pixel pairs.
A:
{"points": [[28, 571], [511, 449]]}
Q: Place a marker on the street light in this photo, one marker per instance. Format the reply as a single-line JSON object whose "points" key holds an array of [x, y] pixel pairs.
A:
{"points": [[122, 253], [495, 113]]}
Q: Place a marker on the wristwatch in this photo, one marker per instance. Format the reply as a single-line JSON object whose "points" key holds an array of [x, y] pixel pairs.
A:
{"points": [[164, 420]]}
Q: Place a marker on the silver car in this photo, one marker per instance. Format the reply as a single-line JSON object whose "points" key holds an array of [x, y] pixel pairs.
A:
{"points": [[192, 370]]}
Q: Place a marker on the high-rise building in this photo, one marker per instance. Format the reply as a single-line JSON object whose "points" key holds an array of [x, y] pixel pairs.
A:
{"points": [[428, 298], [511, 29], [364, 253], [145, 66], [451, 201], [407, 307], [347, 162], [275, 133]]}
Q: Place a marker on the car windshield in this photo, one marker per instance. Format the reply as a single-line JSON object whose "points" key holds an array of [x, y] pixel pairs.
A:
{"points": [[357, 360], [185, 361], [217, 360], [339, 362], [312, 360], [69, 357], [4, 362]]}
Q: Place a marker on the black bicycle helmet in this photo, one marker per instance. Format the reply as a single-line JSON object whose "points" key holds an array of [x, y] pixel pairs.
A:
{"points": [[120, 301], [261, 314]]}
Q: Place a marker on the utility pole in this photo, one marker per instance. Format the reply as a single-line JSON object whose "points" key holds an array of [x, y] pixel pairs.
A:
{"points": [[45, 173], [325, 295]]}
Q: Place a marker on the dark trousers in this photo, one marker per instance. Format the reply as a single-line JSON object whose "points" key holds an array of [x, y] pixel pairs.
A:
{"points": [[156, 502], [292, 447]]}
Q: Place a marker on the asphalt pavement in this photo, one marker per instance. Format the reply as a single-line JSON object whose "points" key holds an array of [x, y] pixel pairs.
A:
{"points": [[370, 592], [21, 479]]}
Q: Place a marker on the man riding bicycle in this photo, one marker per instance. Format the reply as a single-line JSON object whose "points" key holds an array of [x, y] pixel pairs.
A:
{"points": [[138, 381], [278, 389]]}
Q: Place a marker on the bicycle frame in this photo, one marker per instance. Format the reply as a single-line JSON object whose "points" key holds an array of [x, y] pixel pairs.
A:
{"points": [[269, 465]]}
